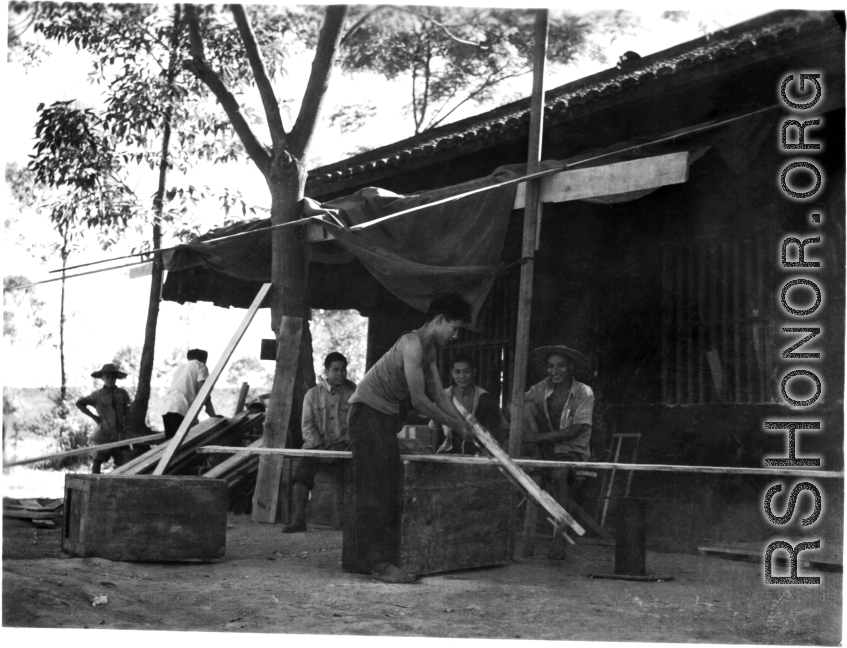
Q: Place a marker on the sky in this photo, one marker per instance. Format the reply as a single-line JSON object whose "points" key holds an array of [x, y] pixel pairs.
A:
{"points": [[108, 310]]}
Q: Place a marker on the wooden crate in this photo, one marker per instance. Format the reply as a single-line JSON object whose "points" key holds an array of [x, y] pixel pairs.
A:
{"points": [[145, 518], [455, 516]]}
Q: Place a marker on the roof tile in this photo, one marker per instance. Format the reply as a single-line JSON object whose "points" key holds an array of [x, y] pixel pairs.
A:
{"points": [[580, 96]]}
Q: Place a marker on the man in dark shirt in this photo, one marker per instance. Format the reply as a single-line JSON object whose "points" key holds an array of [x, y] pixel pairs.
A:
{"points": [[111, 404]]}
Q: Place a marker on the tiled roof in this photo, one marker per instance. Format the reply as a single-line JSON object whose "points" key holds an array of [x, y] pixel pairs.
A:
{"points": [[591, 93]]}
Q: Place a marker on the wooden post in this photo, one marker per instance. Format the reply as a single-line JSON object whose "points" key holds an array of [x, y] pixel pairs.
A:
{"points": [[529, 230], [209, 383], [242, 398], [268, 479]]}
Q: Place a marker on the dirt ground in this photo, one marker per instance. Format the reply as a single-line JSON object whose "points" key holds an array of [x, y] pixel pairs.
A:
{"points": [[274, 583]]}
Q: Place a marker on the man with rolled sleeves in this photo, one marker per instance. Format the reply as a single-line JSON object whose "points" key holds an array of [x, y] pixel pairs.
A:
{"points": [[557, 421]]}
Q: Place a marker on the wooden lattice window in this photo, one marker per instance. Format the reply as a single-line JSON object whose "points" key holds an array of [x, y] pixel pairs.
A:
{"points": [[492, 347], [717, 310]]}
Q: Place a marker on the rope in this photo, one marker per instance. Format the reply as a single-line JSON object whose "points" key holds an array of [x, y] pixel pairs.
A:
{"points": [[356, 228]]}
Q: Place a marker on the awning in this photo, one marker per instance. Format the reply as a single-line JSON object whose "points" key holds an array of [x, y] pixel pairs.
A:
{"points": [[455, 246]]}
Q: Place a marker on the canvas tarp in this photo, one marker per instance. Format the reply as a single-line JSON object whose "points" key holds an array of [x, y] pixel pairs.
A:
{"points": [[455, 246], [452, 247]]}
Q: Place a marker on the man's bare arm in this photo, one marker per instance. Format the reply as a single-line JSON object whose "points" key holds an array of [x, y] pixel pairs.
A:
{"points": [[413, 368], [82, 406], [210, 409], [570, 432]]}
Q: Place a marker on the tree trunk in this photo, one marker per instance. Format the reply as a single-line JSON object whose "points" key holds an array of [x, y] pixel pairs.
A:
{"points": [[63, 387], [137, 424], [294, 372]]}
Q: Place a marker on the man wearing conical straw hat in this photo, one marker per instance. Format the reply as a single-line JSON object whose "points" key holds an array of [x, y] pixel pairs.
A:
{"points": [[558, 414], [111, 404]]}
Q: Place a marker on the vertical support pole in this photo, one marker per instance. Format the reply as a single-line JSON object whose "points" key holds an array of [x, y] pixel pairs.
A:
{"points": [[531, 208], [530, 235]]}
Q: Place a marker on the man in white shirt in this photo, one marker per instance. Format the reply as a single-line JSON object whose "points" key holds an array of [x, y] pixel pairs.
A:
{"points": [[186, 384]]}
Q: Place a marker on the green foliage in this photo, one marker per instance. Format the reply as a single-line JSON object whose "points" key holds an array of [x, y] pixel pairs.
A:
{"points": [[454, 55], [250, 370], [13, 299], [351, 117], [69, 431], [128, 358], [344, 331]]}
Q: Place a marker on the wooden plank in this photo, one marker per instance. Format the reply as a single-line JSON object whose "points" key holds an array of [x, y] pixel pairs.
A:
{"points": [[150, 438], [209, 383], [611, 179], [269, 479], [560, 516], [578, 512], [539, 463], [31, 515], [153, 455], [833, 559], [242, 398], [579, 184], [232, 463]]}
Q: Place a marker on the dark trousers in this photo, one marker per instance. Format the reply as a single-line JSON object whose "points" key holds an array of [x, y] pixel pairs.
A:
{"points": [[376, 486], [172, 421], [307, 468]]}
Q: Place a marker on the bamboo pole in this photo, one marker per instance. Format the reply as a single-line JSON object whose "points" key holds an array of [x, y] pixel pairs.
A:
{"points": [[538, 463], [529, 235], [150, 438]]}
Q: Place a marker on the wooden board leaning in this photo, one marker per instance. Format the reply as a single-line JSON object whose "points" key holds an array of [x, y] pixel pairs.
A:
{"points": [[559, 516]]}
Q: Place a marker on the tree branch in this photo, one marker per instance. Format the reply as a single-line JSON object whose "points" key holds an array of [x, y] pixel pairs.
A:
{"points": [[444, 28], [488, 83], [260, 73], [360, 22], [201, 69], [316, 88]]}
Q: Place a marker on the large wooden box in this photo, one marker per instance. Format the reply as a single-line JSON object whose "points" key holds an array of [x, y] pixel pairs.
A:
{"points": [[455, 516], [145, 517]]}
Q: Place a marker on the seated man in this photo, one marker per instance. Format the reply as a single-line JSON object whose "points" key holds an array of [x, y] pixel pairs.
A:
{"points": [[557, 418], [324, 426], [477, 401]]}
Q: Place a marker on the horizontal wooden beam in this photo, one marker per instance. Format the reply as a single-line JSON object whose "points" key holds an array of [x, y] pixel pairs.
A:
{"points": [[150, 438], [538, 463], [611, 179], [579, 184]]}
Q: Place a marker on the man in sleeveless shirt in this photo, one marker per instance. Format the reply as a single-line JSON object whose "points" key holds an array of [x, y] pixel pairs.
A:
{"points": [[373, 423]]}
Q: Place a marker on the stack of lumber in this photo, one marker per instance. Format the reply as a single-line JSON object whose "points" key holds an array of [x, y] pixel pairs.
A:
{"points": [[240, 473], [42, 512], [185, 461]]}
